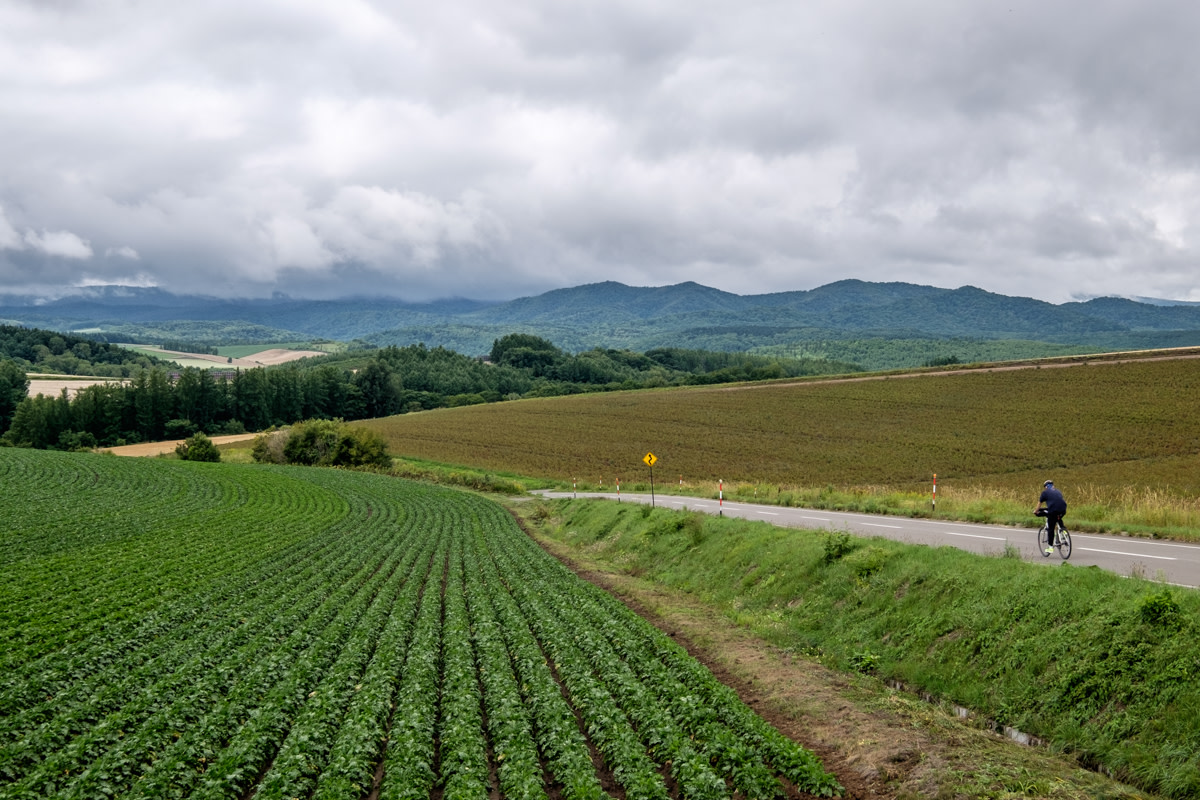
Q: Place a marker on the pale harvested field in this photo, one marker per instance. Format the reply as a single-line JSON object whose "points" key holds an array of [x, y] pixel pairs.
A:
{"points": [[269, 358], [53, 387], [158, 448], [265, 358]]}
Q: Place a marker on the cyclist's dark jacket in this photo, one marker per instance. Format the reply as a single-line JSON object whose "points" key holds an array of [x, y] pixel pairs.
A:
{"points": [[1053, 498]]}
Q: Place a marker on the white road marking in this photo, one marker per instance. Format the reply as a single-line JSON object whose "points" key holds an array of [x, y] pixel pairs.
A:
{"points": [[1120, 553], [976, 536]]}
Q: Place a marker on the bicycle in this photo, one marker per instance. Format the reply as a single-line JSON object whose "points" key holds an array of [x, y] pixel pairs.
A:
{"points": [[1062, 542]]}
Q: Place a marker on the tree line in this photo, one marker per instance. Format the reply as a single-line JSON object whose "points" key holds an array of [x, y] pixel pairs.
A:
{"points": [[157, 404], [42, 351]]}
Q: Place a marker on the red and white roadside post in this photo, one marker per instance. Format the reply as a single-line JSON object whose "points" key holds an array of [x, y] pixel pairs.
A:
{"points": [[934, 501], [574, 482], [720, 498], [618, 488]]}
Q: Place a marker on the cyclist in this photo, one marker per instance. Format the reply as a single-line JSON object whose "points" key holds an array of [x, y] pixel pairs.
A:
{"points": [[1055, 509]]}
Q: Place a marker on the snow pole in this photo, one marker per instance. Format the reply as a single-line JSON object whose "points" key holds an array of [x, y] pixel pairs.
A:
{"points": [[720, 497], [934, 500]]}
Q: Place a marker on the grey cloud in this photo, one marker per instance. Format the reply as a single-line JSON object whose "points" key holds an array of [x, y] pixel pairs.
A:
{"points": [[508, 148], [54, 244], [63, 244]]}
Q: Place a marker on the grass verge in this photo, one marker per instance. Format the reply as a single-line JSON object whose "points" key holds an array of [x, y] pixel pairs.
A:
{"points": [[1100, 669]]}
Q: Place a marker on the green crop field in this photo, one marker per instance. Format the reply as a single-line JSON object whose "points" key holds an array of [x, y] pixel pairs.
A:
{"points": [[172, 629], [1122, 438], [248, 350]]}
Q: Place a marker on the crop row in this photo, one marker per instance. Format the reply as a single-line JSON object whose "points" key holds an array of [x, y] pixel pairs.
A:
{"points": [[413, 644], [116, 642], [132, 718], [670, 715], [162, 552]]}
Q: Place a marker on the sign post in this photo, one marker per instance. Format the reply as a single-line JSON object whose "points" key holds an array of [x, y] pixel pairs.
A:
{"points": [[650, 458]]}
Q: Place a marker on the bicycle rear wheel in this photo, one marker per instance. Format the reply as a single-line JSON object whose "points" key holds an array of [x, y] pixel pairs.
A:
{"points": [[1064, 542], [1043, 541]]}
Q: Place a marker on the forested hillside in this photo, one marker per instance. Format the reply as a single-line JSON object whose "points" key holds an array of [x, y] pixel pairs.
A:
{"points": [[35, 350], [846, 316], [156, 404]]}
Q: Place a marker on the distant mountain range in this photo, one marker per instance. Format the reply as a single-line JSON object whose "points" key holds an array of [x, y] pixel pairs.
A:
{"points": [[830, 320]]}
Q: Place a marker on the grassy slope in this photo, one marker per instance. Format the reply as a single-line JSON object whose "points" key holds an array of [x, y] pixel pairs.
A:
{"points": [[1101, 667]]}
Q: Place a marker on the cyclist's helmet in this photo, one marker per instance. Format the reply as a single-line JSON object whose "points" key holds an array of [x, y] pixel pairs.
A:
{"points": [[1048, 483]]}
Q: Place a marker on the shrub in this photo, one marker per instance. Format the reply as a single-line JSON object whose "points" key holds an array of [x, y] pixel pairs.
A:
{"points": [[865, 662], [268, 447], [867, 562], [179, 428], [198, 447], [233, 427], [836, 546], [74, 440], [322, 443], [1161, 609]]}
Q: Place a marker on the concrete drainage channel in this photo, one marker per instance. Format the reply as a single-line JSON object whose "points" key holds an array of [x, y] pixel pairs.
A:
{"points": [[965, 713], [1018, 736]]}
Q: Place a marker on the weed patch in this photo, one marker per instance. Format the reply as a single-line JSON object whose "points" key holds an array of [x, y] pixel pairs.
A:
{"points": [[1162, 610], [836, 546]]}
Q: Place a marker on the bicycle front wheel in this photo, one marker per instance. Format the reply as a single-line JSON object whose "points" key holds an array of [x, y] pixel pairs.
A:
{"points": [[1044, 542], [1064, 542]]}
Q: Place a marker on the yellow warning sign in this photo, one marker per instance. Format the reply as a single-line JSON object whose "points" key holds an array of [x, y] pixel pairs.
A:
{"points": [[649, 458]]}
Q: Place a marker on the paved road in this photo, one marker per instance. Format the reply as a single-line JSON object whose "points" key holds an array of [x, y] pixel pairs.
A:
{"points": [[1173, 562]]}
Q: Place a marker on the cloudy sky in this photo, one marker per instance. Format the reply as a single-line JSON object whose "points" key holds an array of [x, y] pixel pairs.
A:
{"points": [[474, 148]]}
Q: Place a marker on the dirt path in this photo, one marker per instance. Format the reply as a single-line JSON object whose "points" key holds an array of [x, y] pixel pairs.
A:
{"points": [[158, 448]]}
